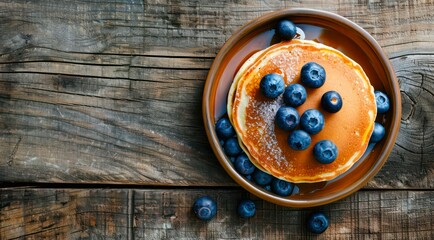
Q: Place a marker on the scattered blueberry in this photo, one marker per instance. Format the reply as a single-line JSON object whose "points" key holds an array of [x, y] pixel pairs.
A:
{"points": [[299, 140], [286, 29], [382, 101], [312, 121], [313, 75], [232, 159], [246, 209], [378, 133], [272, 85], [317, 222], [261, 178], [224, 128], [267, 187], [282, 187], [331, 101], [222, 142], [232, 147], [205, 208], [243, 165], [287, 118], [325, 151], [294, 95]]}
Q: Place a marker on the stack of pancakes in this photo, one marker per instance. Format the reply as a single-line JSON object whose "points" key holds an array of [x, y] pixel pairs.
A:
{"points": [[252, 114]]}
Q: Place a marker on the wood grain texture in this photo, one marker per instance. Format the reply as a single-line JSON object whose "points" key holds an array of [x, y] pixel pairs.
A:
{"points": [[110, 92], [166, 214], [63, 214], [416, 137]]}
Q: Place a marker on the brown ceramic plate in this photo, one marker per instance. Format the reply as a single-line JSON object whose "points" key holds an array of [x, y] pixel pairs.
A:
{"points": [[329, 29]]}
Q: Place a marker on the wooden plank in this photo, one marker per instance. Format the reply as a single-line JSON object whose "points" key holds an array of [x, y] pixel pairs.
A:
{"points": [[58, 135], [166, 214], [163, 28], [111, 92], [63, 214]]}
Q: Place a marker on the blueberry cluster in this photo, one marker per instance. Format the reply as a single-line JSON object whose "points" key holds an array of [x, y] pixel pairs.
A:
{"points": [[311, 121], [383, 105], [242, 163], [312, 76]]}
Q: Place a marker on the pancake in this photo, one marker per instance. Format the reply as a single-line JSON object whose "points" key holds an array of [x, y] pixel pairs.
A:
{"points": [[252, 114]]}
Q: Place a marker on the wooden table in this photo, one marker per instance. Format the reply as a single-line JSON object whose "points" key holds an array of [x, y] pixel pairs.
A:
{"points": [[101, 132]]}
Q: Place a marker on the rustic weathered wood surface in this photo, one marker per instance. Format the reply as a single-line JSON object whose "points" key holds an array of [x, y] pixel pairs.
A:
{"points": [[167, 214], [109, 92]]}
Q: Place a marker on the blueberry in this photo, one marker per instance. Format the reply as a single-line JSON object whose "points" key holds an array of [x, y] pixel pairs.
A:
{"points": [[232, 159], [294, 95], [232, 147], [261, 178], [378, 133], [287, 118], [299, 140], [224, 128], [325, 151], [205, 208], [243, 165], [272, 85], [313, 75], [246, 209], [286, 29], [382, 101], [317, 222], [331, 101], [312, 121], [282, 187]]}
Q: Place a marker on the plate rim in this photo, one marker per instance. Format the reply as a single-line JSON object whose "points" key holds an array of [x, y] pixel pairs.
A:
{"points": [[246, 29]]}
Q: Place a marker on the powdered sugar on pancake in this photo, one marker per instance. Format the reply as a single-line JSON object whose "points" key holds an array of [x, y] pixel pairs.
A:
{"points": [[288, 58], [263, 127]]}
